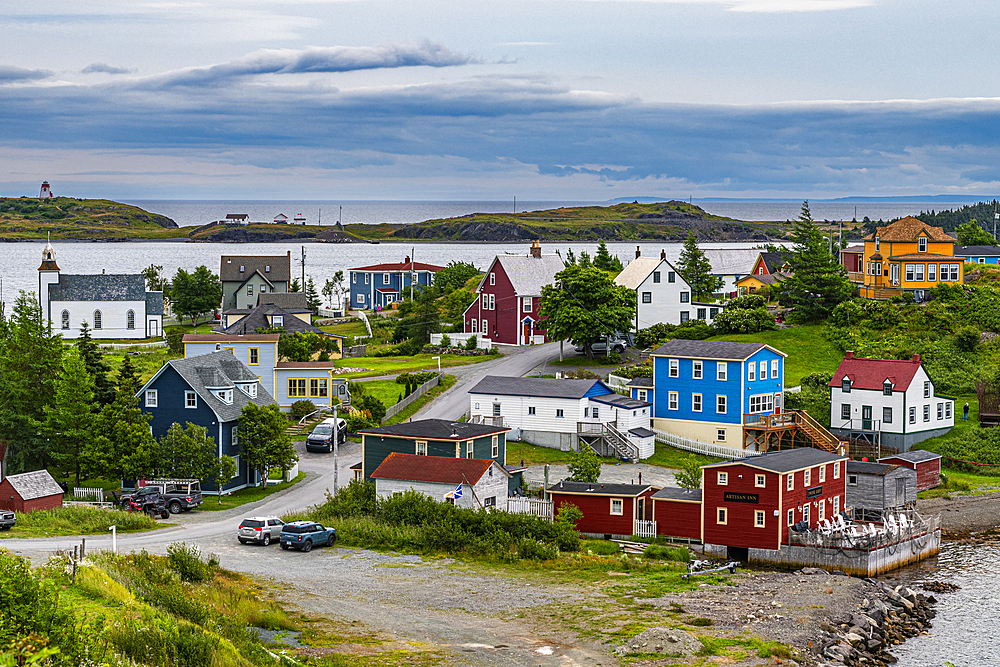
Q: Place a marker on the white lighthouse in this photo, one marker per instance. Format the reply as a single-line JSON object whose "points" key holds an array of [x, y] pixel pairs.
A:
{"points": [[46, 192]]}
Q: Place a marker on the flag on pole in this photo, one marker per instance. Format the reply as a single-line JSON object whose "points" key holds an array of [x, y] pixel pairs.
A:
{"points": [[456, 494]]}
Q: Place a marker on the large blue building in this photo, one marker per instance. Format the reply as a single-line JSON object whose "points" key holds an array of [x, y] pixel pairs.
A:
{"points": [[375, 287], [704, 388], [209, 390], [978, 254]]}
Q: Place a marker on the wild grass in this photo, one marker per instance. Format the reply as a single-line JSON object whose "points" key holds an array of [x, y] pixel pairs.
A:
{"points": [[808, 350], [79, 521], [446, 383], [418, 362]]}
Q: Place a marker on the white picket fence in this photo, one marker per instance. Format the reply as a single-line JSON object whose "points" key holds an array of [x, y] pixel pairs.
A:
{"points": [[128, 346], [461, 339], [89, 493], [645, 528], [542, 508], [617, 382], [699, 447]]}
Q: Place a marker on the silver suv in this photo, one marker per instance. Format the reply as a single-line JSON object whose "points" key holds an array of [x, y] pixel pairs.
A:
{"points": [[260, 530]]}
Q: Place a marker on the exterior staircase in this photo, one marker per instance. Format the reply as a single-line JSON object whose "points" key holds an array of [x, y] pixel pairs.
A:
{"points": [[606, 440], [820, 437]]}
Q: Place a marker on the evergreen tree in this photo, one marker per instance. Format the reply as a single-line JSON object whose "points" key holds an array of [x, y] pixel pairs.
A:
{"points": [[419, 318], [186, 452], [605, 261], [263, 439], [312, 297], [818, 281], [695, 268], [123, 446], [68, 420], [104, 390], [296, 286], [30, 362], [126, 374]]}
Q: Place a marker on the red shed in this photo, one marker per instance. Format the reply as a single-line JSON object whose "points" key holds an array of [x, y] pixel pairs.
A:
{"points": [[752, 503], [852, 259], [30, 491], [677, 512], [927, 464], [608, 509]]}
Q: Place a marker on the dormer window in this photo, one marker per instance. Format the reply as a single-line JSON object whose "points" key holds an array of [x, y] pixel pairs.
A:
{"points": [[887, 388], [877, 244], [277, 320], [225, 395], [250, 389], [922, 244], [845, 385]]}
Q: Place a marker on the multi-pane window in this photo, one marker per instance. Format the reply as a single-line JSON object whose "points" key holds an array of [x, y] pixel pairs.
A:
{"points": [[910, 271], [672, 400], [774, 369], [701, 313], [940, 410], [927, 412], [822, 474], [836, 470], [805, 513], [685, 297], [559, 412], [527, 304], [947, 410], [130, 319], [493, 279], [65, 319], [791, 518], [845, 410], [296, 387], [254, 356], [751, 371], [723, 478], [685, 316], [720, 404], [807, 478], [758, 518], [845, 385], [671, 276], [484, 329], [98, 320], [720, 371], [385, 278], [647, 297], [495, 450], [150, 398], [696, 370], [763, 370], [927, 389], [190, 399], [469, 449], [250, 289], [493, 301], [656, 276], [421, 449], [759, 481], [496, 409], [712, 312], [790, 481], [695, 402], [836, 505], [913, 415], [932, 272], [318, 388], [673, 366], [886, 415], [821, 514], [887, 388], [616, 506], [595, 413], [277, 321], [720, 434], [721, 516], [762, 403], [922, 244], [531, 409]]}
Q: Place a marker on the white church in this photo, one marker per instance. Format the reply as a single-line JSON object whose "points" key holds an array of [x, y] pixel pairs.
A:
{"points": [[112, 305]]}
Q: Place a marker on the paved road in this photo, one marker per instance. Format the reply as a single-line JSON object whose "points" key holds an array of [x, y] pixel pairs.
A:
{"points": [[517, 362]]}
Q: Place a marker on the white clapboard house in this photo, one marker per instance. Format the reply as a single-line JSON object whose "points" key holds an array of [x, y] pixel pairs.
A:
{"points": [[662, 295], [561, 413]]}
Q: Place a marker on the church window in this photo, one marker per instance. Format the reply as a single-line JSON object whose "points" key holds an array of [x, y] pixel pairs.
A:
{"points": [[65, 319], [97, 320], [130, 319]]}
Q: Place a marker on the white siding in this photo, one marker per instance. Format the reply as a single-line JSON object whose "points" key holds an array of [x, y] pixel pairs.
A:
{"points": [[487, 487], [914, 397], [514, 410], [266, 357], [113, 318], [665, 299]]}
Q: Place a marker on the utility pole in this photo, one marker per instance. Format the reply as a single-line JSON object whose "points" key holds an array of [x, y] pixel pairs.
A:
{"points": [[336, 443], [320, 219], [412, 250], [303, 288], [515, 204]]}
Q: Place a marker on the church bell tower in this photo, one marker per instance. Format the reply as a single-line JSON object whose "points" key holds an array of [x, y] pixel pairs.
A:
{"points": [[48, 274]]}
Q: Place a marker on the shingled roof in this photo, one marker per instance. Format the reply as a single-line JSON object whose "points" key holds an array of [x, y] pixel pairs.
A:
{"points": [[435, 429], [101, 287], [773, 261], [440, 469], [258, 319], [546, 387], [907, 230], [709, 349], [598, 489], [154, 303], [527, 274], [913, 456], [293, 302], [872, 373], [273, 268], [785, 460], [37, 484], [639, 269], [217, 370]]}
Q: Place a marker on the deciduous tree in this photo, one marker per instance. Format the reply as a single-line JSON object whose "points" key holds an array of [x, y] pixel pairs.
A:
{"points": [[585, 305], [689, 476], [972, 234], [695, 268], [585, 466], [263, 439], [196, 293], [187, 452], [224, 469], [454, 276], [123, 445]]}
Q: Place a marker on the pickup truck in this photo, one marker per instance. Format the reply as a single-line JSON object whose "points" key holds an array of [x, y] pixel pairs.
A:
{"points": [[179, 495], [7, 520]]}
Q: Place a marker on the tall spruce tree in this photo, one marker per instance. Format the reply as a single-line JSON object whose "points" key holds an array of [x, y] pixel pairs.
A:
{"points": [[818, 281], [695, 268], [313, 301], [123, 446], [30, 362], [605, 261], [68, 420], [127, 374], [104, 389]]}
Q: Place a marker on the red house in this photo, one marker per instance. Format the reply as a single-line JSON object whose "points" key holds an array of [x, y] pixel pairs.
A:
{"points": [[677, 513], [927, 464], [770, 263], [609, 510], [509, 297], [852, 258], [752, 503], [30, 491]]}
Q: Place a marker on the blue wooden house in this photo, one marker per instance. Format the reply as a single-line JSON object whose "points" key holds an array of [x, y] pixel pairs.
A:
{"points": [[209, 390], [706, 390], [978, 254], [375, 287]]}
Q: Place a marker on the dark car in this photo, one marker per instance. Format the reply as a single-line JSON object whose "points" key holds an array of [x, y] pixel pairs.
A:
{"points": [[304, 535], [7, 520], [321, 438]]}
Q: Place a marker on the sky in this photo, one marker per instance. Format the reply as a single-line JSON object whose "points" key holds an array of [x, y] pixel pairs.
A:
{"points": [[538, 99]]}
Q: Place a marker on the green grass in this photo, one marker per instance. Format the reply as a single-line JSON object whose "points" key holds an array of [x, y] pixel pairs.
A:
{"points": [[244, 496], [418, 362], [63, 521], [582, 360], [387, 391], [534, 455], [807, 348], [353, 329], [447, 381], [666, 456], [145, 363]]}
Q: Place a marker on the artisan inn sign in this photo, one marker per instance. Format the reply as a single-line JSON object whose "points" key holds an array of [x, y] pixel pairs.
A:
{"points": [[733, 497]]}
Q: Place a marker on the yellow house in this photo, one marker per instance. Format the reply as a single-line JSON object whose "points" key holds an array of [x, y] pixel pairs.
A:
{"points": [[753, 283], [908, 256]]}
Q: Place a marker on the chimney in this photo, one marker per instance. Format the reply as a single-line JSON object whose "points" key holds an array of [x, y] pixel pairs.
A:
{"points": [[536, 249], [849, 355], [916, 358], [637, 253], [663, 254], [407, 260], [289, 255]]}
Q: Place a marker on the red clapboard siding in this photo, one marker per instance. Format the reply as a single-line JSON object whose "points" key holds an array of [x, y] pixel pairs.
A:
{"points": [[928, 472], [10, 500], [675, 518], [597, 517]]}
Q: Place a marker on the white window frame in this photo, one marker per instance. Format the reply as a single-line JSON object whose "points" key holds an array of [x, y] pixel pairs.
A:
{"points": [[486, 301], [277, 321], [921, 244], [836, 505], [190, 399], [805, 512], [927, 412], [151, 398], [697, 370], [932, 273], [673, 368], [760, 481], [762, 403], [696, 402], [940, 411], [493, 278], [367, 276], [420, 447], [493, 301], [720, 434], [617, 506], [947, 409], [822, 474], [758, 519], [774, 369], [526, 304], [720, 371], [722, 478], [806, 477], [751, 372], [721, 401], [762, 371], [821, 513], [672, 400], [484, 327], [927, 389]]}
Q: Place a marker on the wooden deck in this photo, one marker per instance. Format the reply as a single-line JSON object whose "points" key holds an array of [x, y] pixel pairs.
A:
{"points": [[792, 428]]}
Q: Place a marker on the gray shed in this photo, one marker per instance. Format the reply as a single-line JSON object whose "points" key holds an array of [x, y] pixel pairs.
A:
{"points": [[873, 488]]}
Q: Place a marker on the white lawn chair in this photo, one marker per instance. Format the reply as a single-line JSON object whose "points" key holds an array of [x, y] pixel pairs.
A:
{"points": [[904, 523], [839, 523], [824, 527], [890, 524]]}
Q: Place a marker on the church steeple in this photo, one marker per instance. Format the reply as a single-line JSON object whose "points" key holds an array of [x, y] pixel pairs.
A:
{"points": [[48, 257]]}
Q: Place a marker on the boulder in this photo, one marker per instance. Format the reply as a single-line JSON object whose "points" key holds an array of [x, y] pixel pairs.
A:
{"points": [[668, 641]]}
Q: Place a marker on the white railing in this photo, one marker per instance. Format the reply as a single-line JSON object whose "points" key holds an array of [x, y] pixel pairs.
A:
{"points": [[644, 528], [617, 382], [460, 340], [368, 326], [699, 447], [89, 493], [542, 508], [292, 472]]}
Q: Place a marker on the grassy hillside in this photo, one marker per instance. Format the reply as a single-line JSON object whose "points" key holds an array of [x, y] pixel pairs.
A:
{"points": [[70, 218], [808, 350]]}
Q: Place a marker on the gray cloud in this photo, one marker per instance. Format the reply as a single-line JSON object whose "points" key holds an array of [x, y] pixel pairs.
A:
{"points": [[105, 68], [12, 74], [316, 59]]}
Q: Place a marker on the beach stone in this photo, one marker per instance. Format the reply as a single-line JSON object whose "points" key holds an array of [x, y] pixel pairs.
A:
{"points": [[813, 571], [669, 641]]}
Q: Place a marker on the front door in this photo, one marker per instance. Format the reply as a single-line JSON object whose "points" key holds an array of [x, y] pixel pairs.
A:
{"points": [[777, 404], [641, 514], [894, 274], [526, 332], [866, 417]]}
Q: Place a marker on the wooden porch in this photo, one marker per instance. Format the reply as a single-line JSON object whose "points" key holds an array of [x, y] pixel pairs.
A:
{"points": [[790, 429]]}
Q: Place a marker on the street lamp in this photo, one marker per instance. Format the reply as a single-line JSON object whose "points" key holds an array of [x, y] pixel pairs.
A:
{"points": [[439, 363]]}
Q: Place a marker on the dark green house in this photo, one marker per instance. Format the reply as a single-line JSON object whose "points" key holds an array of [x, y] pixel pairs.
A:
{"points": [[432, 437]]}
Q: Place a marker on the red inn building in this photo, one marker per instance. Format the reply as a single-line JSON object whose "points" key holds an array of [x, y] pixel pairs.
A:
{"points": [[609, 510], [753, 503]]}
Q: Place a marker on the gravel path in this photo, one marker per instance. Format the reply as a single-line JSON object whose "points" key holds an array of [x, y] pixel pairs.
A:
{"points": [[961, 515]]}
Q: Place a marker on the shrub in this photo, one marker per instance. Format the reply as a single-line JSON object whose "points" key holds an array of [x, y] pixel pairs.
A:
{"points": [[175, 339], [415, 378], [693, 330], [187, 563], [661, 552], [569, 513], [372, 406], [445, 340], [747, 302], [632, 372], [967, 339], [471, 343], [744, 320], [27, 604], [651, 336], [302, 408], [585, 465], [358, 420]]}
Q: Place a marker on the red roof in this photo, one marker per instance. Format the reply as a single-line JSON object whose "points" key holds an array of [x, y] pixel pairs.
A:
{"points": [[871, 373], [400, 266], [386, 290], [442, 469], [230, 338]]}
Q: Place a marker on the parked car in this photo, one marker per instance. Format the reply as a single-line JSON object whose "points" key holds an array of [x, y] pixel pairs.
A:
{"points": [[321, 438], [618, 344], [304, 535], [260, 530], [179, 495], [7, 520]]}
